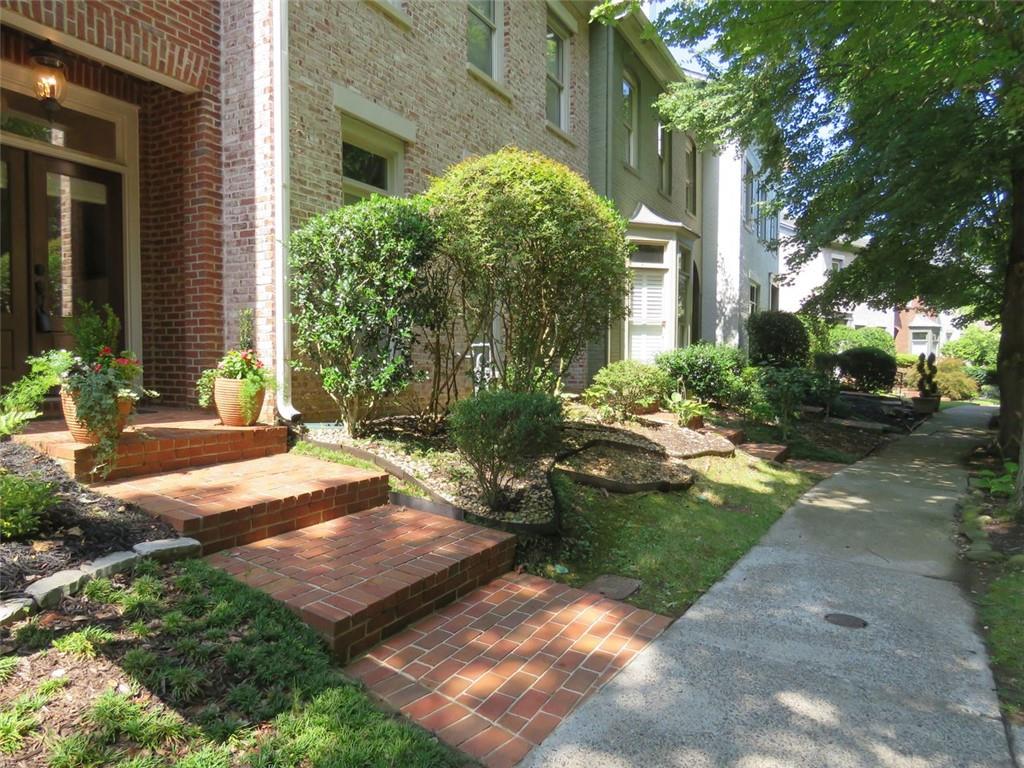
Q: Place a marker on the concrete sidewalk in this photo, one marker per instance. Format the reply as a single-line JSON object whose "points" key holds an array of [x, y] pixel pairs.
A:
{"points": [[752, 676]]}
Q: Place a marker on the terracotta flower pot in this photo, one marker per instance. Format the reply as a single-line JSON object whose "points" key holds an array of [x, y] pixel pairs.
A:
{"points": [[926, 405], [227, 399], [77, 428]]}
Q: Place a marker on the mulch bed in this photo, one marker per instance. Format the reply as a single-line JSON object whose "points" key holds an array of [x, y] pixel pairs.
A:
{"points": [[880, 408], [81, 526], [627, 471], [644, 432]]}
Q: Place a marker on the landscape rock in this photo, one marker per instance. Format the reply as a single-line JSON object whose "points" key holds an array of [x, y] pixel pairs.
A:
{"points": [[614, 587], [167, 550], [870, 426], [15, 609], [48, 592], [115, 562]]}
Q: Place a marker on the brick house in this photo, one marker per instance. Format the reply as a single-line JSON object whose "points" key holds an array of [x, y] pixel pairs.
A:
{"points": [[194, 136]]}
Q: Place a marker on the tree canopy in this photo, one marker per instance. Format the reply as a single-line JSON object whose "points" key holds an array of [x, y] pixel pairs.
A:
{"points": [[899, 122]]}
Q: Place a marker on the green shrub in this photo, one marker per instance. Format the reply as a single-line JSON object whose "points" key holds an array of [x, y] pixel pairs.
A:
{"points": [[778, 339], [23, 503], [501, 433], [925, 376], [843, 337], [354, 275], [704, 371], [983, 374], [906, 359], [977, 345], [953, 381], [748, 396], [784, 389], [625, 388], [868, 368], [538, 254]]}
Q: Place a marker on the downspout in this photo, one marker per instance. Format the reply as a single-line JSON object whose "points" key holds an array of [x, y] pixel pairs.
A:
{"points": [[282, 295]]}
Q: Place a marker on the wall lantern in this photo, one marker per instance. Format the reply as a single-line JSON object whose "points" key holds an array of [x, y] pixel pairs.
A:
{"points": [[48, 72]]}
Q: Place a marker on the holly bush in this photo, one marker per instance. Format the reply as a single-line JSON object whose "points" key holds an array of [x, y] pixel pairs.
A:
{"points": [[542, 261], [354, 277]]}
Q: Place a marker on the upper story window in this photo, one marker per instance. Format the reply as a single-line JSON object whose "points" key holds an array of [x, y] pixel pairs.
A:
{"points": [[630, 116], [557, 95], [371, 161], [691, 177], [764, 219], [748, 193], [665, 159], [836, 264], [755, 298], [482, 36]]}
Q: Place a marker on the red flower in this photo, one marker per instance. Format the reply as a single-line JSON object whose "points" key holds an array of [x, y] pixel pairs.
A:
{"points": [[124, 361], [106, 351], [96, 367]]}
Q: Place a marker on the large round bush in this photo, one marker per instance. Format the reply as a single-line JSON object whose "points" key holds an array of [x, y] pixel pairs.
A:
{"points": [[540, 256], [868, 368], [977, 345], [627, 387], [500, 433], [705, 371], [843, 337], [778, 339], [354, 282]]}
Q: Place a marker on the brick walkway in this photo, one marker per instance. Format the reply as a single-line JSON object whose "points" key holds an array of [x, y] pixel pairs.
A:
{"points": [[495, 672], [241, 502], [766, 451], [362, 577]]}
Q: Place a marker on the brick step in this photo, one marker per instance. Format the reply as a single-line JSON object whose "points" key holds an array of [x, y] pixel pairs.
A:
{"points": [[362, 577], [767, 451], [733, 435], [244, 501], [159, 440], [493, 673]]}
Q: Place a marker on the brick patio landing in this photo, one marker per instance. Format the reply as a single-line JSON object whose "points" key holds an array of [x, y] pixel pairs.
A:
{"points": [[362, 577], [495, 672], [244, 501], [160, 440]]}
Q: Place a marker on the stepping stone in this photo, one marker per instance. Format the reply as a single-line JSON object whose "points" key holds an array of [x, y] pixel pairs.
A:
{"points": [[48, 592], [614, 587], [168, 550], [767, 451]]}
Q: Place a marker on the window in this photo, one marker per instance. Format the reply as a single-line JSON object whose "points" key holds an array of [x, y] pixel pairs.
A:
{"points": [[665, 158], [773, 298], [691, 177], [836, 264], [370, 161], [481, 36], [648, 254], [629, 118], [557, 101], [748, 193], [761, 215], [755, 298]]}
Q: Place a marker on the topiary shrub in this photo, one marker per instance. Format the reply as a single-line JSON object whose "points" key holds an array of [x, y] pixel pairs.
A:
{"points": [[925, 376], [843, 337], [704, 371], [778, 339], [23, 502], [354, 278], [869, 369], [501, 433], [539, 255], [623, 389], [953, 380]]}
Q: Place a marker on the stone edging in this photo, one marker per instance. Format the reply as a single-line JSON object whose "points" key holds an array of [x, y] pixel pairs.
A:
{"points": [[980, 550], [49, 591]]}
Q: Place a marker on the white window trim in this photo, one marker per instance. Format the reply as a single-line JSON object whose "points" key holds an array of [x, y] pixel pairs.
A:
{"points": [[752, 306], [749, 194], [632, 158], [379, 142], [565, 36], [393, 10], [690, 190], [497, 50]]}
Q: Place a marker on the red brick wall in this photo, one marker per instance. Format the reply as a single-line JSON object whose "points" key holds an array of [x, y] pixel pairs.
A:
{"points": [[180, 164]]}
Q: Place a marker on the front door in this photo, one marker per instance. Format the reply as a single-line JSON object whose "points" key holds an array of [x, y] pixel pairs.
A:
{"points": [[61, 245]]}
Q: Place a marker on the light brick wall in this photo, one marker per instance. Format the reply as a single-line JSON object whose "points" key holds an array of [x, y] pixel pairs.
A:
{"points": [[419, 73]]}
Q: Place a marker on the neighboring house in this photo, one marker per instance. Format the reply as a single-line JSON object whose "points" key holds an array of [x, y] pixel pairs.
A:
{"points": [[653, 176], [739, 263], [798, 283], [914, 329]]}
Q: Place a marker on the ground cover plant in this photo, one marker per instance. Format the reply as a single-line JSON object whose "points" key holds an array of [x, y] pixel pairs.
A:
{"points": [[182, 666], [677, 544]]}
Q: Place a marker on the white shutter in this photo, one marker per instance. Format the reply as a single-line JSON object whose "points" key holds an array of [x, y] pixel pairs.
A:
{"points": [[647, 315]]}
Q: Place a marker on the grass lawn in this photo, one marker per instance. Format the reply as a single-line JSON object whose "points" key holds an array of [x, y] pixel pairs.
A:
{"points": [[945, 404], [340, 457], [677, 544], [800, 446], [1002, 613], [183, 667]]}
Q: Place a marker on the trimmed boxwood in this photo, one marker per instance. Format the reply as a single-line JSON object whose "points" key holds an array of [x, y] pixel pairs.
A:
{"points": [[627, 387], [778, 339], [704, 371], [868, 368]]}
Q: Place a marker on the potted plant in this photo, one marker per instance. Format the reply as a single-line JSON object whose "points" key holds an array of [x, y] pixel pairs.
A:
{"points": [[690, 413], [238, 384], [928, 399]]}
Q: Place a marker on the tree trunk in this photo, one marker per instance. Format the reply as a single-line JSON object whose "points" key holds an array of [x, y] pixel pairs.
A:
{"points": [[1011, 342]]}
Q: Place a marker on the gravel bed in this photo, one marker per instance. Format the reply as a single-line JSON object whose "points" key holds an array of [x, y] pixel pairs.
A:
{"points": [[81, 526], [629, 467], [678, 442]]}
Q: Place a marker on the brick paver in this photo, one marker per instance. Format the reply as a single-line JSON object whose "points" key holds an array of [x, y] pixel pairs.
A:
{"points": [[766, 451], [244, 501], [362, 577], [495, 672], [160, 440]]}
